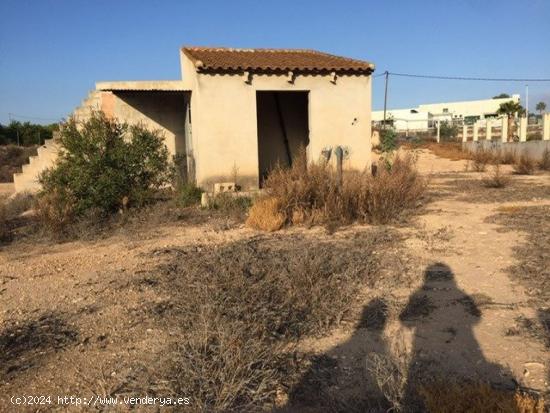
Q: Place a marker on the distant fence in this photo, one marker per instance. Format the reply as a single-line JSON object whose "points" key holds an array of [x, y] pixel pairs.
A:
{"points": [[534, 149]]}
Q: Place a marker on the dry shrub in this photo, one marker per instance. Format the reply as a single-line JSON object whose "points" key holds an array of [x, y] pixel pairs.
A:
{"points": [[544, 162], [10, 210], [389, 372], [240, 307], [383, 198], [508, 157], [232, 205], [496, 179], [266, 215], [480, 158], [55, 211], [225, 365], [444, 397], [313, 193], [525, 165], [449, 150]]}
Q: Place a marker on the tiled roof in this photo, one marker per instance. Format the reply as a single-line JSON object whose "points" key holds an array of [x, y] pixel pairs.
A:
{"points": [[268, 60]]}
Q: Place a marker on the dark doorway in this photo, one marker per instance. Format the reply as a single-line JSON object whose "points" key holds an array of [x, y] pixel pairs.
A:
{"points": [[283, 128]]}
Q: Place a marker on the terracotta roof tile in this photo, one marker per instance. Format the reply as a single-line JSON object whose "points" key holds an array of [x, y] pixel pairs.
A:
{"points": [[299, 60]]}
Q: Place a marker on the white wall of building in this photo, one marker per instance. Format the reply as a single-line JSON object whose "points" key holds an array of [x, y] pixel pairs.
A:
{"points": [[423, 116]]}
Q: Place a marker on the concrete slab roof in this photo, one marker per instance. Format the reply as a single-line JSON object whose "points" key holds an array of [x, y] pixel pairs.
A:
{"points": [[142, 85]]}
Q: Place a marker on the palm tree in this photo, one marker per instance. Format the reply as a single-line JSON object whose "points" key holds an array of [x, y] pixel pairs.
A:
{"points": [[510, 109], [541, 107]]}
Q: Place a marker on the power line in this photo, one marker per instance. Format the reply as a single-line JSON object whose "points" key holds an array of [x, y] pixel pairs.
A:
{"points": [[487, 79]]}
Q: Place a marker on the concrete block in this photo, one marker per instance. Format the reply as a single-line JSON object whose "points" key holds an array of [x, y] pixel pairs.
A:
{"points": [[225, 187]]}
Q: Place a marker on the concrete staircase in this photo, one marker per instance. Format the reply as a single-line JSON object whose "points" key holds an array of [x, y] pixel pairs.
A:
{"points": [[27, 180]]}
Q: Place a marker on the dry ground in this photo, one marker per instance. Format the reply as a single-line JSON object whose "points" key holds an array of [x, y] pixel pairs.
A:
{"points": [[90, 317]]}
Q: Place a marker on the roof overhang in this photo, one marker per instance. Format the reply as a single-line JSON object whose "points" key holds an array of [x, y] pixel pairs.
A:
{"points": [[142, 85]]}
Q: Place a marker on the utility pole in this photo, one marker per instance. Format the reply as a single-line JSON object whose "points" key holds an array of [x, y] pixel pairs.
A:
{"points": [[527, 103], [385, 97]]}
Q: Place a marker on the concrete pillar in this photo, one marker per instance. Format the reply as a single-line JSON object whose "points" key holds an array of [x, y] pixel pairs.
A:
{"points": [[464, 133], [476, 131], [438, 131], [523, 129], [504, 128], [488, 130], [546, 126]]}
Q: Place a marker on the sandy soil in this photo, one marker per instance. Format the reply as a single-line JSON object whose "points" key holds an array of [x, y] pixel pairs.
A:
{"points": [[75, 317]]}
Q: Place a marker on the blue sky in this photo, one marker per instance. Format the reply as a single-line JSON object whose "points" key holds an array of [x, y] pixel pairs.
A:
{"points": [[53, 51]]}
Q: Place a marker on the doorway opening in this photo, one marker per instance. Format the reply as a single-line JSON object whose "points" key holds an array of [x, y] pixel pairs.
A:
{"points": [[283, 128]]}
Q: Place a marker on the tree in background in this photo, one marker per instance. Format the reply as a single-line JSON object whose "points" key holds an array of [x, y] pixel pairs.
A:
{"points": [[541, 107], [26, 133], [510, 109], [448, 131], [501, 96]]}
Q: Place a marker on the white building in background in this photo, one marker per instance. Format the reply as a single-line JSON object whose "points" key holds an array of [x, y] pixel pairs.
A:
{"points": [[423, 117]]}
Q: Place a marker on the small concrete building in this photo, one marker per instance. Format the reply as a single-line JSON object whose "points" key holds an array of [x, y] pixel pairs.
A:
{"points": [[239, 112]]}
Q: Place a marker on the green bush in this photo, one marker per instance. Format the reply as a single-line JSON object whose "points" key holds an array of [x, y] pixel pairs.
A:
{"points": [[388, 140], [447, 131], [188, 195], [105, 165]]}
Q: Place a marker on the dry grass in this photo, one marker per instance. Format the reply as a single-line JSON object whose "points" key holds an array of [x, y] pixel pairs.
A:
{"points": [[389, 372], [313, 194], [480, 158], [544, 163], [508, 157], [445, 397], [533, 266], [525, 165], [239, 308], [447, 150], [10, 210], [265, 215], [496, 179]]}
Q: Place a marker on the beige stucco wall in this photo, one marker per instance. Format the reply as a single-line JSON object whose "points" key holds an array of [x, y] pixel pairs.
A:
{"points": [[164, 111], [224, 123]]}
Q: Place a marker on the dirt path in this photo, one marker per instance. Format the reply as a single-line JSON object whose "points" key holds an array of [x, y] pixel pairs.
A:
{"points": [[457, 322], [479, 255]]}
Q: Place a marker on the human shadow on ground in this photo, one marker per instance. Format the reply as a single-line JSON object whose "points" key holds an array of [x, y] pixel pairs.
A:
{"points": [[337, 381], [443, 347]]}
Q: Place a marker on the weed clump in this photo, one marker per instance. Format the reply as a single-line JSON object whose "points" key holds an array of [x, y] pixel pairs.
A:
{"points": [[240, 315], [187, 195], [314, 194], [525, 165], [496, 179], [480, 158], [544, 162]]}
